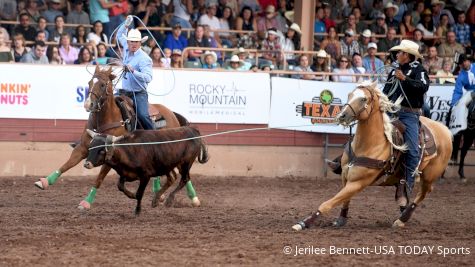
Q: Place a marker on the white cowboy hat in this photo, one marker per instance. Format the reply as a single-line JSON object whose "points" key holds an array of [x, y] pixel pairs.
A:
{"points": [[366, 33], [241, 50], [321, 53], [289, 15], [408, 47], [295, 27], [391, 5], [134, 35], [235, 58], [209, 53], [437, 2]]}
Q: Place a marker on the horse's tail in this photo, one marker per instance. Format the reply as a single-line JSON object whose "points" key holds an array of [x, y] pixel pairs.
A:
{"points": [[181, 119], [204, 156]]}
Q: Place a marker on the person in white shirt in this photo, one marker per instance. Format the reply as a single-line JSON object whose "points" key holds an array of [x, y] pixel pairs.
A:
{"points": [[210, 19]]}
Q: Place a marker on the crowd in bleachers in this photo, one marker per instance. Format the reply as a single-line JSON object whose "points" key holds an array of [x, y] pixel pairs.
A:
{"points": [[351, 36]]}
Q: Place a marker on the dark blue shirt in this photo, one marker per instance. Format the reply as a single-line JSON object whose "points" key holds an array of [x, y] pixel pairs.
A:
{"points": [[172, 43]]}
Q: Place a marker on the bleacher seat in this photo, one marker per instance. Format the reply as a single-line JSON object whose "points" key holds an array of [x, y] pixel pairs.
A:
{"points": [[193, 64]]}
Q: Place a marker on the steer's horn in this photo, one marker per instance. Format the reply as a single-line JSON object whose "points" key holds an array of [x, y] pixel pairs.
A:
{"points": [[91, 133], [117, 138]]}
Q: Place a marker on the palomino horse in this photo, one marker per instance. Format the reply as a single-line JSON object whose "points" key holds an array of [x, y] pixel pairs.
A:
{"points": [[106, 118], [373, 142]]}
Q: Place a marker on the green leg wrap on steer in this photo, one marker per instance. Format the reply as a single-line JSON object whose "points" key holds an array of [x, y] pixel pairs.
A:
{"points": [[91, 196], [156, 184], [53, 177], [190, 190]]}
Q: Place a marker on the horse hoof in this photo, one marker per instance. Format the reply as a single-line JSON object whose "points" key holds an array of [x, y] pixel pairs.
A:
{"points": [[297, 227], [340, 222], [398, 223], [162, 198], [84, 205], [154, 200], [42, 183], [463, 180], [195, 202]]}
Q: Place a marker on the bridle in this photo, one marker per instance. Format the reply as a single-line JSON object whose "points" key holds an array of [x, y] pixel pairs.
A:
{"points": [[99, 102], [356, 114]]}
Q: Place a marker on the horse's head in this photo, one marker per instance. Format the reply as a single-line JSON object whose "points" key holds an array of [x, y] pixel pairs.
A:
{"points": [[100, 87], [360, 104]]}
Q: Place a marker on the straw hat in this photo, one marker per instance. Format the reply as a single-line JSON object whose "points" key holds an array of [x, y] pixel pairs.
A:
{"points": [[391, 5], [321, 53], [366, 33], [426, 12], [209, 53], [241, 50], [134, 35], [437, 2], [295, 27], [408, 47], [289, 15], [235, 58]]}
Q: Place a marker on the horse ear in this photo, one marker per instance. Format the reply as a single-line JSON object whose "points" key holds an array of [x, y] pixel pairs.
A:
{"points": [[117, 138], [91, 133], [97, 69], [374, 84], [111, 75]]}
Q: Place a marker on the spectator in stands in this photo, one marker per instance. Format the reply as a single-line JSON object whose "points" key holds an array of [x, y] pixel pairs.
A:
{"points": [[385, 44], [67, 52], [268, 21], [348, 8], [19, 49], [391, 10], [266, 68], [344, 67], [349, 24], [42, 26], [5, 52], [360, 25], [166, 59], [426, 25], [272, 44], [331, 45], [291, 43], [445, 73], [213, 43], [92, 49], [226, 22], [41, 36], [148, 45], [197, 40], [438, 10], [156, 56], [244, 57], [357, 67], [32, 10], [406, 28], [329, 22], [417, 12], [209, 60], [380, 26], [97, 34], [176, 59], [24, 28], [77, 15], [254, 68], [246, 22], [52, 12], [79, 36], [182, 10], [376, 10], [102, 58], [58, 30], [210, 19], [322, 63], [371, 62], [99, 11], [8, 11], [307, 73], [235, 64], [462, 30], [418, 36], [432, 62], [348, 44], [36, 55], [319, 26], [199, 9], [175, 40], [84, 57], [253, 4], [402, 9], [450, 47], [365, 39], [442, 29], [52, 53], [117, 15]]}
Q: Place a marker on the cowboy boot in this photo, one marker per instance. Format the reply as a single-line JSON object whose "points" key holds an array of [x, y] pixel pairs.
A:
{"points": [[335, 165]]}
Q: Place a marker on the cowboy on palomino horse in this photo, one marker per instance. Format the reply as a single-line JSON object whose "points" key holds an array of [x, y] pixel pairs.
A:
{"points": [[414, 83], [373, 156]]}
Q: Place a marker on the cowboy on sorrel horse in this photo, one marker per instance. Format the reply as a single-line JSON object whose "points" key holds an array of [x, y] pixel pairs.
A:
{"points": [[106, 117], [371, 156]]}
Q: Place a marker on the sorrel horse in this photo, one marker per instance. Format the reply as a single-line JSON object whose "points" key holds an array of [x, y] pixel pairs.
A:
{"points": [[373, 142], [105, 117]]}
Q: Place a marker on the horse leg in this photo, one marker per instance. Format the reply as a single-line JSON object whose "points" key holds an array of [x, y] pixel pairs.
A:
{"points": [[79, 153], [456, 147], [139, 194], [91, 196], [345, 194], [468, 137], [343, 218], [195, 201], [426, 187], [121, 186]]}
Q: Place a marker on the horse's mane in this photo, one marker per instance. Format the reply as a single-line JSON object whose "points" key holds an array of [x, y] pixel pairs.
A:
{"points": [[385, 105]]}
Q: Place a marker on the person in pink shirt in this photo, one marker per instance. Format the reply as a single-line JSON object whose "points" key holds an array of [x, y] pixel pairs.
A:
{"points": [[67, 52]]}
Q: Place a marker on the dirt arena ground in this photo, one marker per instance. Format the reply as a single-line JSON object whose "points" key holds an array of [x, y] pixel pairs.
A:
{"points": [[242, 221]]}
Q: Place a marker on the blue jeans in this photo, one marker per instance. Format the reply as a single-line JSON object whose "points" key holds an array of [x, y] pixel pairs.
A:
{"points": [[141, 105], [411, 138]]}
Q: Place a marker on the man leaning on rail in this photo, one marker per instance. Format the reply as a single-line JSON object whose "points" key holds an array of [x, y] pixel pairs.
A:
{"points": [[410, 81]]}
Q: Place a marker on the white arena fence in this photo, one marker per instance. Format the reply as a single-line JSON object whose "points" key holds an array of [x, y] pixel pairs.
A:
{"points": [[58, 92]]}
